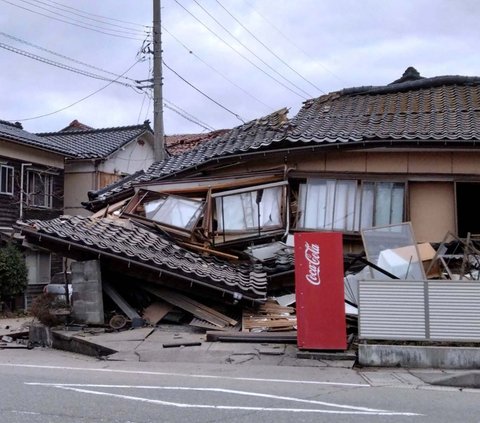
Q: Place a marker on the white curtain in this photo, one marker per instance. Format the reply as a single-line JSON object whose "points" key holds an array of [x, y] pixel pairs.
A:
{"points": [[242, 211]]}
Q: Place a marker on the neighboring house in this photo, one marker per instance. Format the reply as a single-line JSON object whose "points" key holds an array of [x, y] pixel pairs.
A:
{"points": [[353, 159], [99, 157], [31, 187]]}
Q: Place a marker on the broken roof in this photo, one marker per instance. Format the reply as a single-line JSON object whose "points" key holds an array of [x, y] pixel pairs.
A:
{"points": [[411, 108], [181, 143], [250, 136], [94, 143], [124, 241]]}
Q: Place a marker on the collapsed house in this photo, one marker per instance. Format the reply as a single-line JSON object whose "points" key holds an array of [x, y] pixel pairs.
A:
{"points": [[216, 221]]}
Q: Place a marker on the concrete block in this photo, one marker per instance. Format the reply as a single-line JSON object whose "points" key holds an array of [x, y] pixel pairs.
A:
{"points": [[412, 356]]}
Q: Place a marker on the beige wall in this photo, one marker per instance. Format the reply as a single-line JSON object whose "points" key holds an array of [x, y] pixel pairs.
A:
{"points": [[76, 187], [30, 155], [373, 162], [432, 210]]}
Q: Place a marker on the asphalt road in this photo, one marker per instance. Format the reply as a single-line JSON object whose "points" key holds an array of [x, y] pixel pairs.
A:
{"points": [[52, 386]]}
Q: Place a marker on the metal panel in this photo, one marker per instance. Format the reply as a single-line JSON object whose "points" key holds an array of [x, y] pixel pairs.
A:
{"points": [[391, 309], [454, 310], [419, 310]]}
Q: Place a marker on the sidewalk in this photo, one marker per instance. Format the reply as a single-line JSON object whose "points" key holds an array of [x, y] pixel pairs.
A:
{"points": [[167, 343]]}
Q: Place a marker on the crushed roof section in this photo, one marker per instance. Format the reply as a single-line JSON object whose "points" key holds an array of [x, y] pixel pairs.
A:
{"points": [[15, 133], [424, 109], [94, 143], [181, 143], [124, 239], [251, 136]]}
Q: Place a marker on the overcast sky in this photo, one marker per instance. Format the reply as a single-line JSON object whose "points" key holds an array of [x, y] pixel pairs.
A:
{"points": [[276, 53]]}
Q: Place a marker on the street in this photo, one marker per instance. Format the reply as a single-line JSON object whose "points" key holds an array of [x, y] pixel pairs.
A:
{"points": [[53, 386]]}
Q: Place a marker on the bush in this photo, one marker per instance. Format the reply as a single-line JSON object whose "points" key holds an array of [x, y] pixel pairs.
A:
{"points": [[43, 307], [13, 272]]}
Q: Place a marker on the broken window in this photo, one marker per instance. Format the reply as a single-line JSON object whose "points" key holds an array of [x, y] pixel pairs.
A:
{"points": [[349, 205], [174, 211], [39, 189], [394, 249], [6, 179], [253, 209]]}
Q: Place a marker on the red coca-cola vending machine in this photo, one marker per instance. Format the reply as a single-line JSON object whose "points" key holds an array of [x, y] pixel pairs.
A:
{"points": [[319, 291]]}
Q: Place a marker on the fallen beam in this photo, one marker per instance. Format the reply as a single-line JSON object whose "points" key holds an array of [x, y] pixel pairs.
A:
{"points": [[270, 337]]}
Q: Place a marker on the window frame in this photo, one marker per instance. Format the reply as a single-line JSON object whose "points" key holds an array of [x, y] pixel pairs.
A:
{"points": [[5, 183], [353, 224], [47, 194]]}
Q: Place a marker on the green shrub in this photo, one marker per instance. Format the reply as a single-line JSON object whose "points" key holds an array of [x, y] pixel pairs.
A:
{"points": [[13, 272]]}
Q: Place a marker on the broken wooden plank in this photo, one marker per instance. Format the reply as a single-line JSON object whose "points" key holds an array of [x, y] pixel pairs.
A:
{"points": [[156, 312], [131, 313], [203, 324], [193, 307]]}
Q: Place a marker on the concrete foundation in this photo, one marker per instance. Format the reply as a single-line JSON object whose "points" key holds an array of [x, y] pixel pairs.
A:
{"points": [[410, 356]]}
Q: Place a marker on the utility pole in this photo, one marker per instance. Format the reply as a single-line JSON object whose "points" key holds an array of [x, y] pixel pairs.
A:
{"points": [[159, 136]]}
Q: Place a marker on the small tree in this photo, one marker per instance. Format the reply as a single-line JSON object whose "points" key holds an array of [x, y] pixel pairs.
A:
{"points": [[13, 272]]}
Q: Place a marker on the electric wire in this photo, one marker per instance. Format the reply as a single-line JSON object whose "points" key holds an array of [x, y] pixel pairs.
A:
{"points": [[287, 38], [84, 15], [268, 48], [71, 23], [238, 52], [62, 56], [251, 51], [61, 65], [73, 104], [202, 93], [129, 32], [101, 16], [187, 118], [177, 109], [217, 71]]}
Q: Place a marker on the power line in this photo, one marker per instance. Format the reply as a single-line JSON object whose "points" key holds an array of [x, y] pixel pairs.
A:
{"points": [[217, 71], [287, 38], [61, 65], [86, 15], [238, 52], [202, 93], [250, 51], [177, 109], [73, 104], [268, 48], [62, 56], [70, 23], [100, 16], [53, 12]]}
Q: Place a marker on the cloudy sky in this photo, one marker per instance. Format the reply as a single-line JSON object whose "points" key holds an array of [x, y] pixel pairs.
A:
{"points": [[228, 60]]}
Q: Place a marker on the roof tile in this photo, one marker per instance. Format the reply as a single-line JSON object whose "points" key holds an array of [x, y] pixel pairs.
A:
{"points": [[125, 240]]}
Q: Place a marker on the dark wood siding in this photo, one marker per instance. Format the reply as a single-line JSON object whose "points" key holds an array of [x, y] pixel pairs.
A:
{"points": [[10, 205]]}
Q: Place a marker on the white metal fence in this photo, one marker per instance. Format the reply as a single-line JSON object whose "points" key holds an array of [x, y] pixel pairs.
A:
{"points": [[430, 310]]}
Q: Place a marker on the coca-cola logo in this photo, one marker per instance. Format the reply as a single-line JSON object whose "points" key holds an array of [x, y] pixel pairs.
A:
{"points": [[312, 255]]}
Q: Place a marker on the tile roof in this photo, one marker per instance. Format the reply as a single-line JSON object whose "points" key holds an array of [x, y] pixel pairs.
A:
{"points": [[15, 133], [416, 108], [181, 143], [94, 143], [125, 240], [412, 108], [250, 136]]}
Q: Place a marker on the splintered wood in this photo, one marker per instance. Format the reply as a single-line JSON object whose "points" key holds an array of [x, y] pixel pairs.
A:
{"points": [[269, 317]]}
